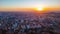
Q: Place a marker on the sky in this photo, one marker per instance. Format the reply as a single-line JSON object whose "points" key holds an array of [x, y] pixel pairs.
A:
{"points": [[11, 4]]}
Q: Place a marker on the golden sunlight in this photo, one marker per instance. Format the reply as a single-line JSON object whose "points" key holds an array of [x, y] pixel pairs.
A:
{"points": [[39, 9]]}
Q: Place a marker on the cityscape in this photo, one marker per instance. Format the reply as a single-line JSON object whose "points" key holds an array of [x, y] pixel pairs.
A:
{"points": [[29, 16], [29, 23]]}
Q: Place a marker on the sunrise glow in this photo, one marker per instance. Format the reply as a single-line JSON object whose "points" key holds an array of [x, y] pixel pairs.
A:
{"points": [[27, 5]]}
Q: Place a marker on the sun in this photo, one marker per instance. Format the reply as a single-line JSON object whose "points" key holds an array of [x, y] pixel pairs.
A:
{"points": [[40, 9]]}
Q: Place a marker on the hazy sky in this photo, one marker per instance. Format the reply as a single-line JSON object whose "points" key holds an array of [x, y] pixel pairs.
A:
{"points": [[28, 3]]}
